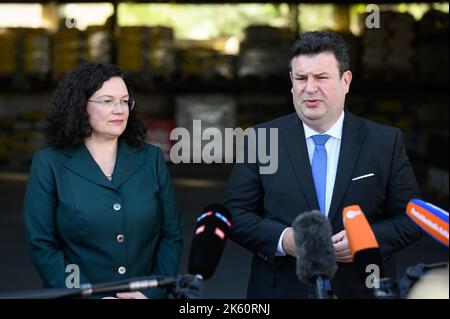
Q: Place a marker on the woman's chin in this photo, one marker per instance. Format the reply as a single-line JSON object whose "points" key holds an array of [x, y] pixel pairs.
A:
{"points": [[117, 132]]}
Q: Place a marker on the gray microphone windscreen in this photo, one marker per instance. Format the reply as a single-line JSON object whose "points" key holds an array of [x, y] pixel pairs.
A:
{"points": [[315, 252]]}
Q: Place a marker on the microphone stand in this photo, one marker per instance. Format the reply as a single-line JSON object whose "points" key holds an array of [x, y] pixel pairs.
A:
{"points": [[87, 290], [322, 288], [127, 285], [52, 293]]}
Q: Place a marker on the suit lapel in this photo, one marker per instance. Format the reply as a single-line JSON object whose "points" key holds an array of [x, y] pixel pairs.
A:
{"points": [[83, 164], [128, 161], [352, 140], [295, 144]]}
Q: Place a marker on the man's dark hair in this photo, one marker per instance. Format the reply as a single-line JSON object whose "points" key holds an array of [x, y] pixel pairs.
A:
{"points": [[315, 42], [67, 120]]}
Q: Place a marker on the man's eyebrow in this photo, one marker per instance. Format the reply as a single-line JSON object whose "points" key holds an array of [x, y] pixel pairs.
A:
{"points": [[314, 74], [322, 73]]}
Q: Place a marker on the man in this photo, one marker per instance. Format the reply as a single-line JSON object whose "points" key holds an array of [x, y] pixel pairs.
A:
{"points": [[328, 158]]}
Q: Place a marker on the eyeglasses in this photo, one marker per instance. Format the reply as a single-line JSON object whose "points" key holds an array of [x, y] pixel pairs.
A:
{"points": [[110, 103]]}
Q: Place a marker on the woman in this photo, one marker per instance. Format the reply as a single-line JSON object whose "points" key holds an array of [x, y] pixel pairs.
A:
{"points": [[99, 199]]}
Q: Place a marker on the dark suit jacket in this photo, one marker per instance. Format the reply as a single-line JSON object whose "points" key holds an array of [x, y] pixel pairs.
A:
{"points": [[263, 206], [73, 215]]}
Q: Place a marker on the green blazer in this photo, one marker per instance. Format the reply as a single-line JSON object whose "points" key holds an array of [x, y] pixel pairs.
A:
{"points": [[112, 230]]}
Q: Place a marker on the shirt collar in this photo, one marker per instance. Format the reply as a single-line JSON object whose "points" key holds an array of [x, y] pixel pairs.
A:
{"points": [[334, 131]]}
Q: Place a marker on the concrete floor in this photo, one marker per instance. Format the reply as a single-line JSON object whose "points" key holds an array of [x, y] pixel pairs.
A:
{"points": [[196, 186]]}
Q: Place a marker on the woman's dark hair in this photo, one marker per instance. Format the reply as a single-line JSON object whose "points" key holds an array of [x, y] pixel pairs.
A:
{"points": [[67, 119], [315, 42]]}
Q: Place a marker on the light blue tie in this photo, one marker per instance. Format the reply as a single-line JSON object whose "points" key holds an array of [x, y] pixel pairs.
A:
{"points": [[319, 169]]}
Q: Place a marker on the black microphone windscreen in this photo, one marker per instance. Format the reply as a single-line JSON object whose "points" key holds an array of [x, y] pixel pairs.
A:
{"points": [[208, 243], [189, 287], [315, 252]]}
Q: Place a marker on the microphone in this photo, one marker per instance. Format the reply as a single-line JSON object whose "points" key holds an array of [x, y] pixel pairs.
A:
{"points": [[210, 235], [51, 293], [430, 218], [133, 284], [189, 287], [364, 246], [87, 290], [316, 261]]}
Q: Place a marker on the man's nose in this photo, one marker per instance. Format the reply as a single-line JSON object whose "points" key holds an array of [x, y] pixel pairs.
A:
{"points": [[311, 85]]}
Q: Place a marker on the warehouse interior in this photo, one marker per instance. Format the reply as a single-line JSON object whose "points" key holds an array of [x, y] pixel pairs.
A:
{"points": [[225, 63]]}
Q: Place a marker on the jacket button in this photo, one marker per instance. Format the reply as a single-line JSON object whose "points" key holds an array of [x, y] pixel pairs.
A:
{"points": [[121, 270], [120, 238], [117, 207]]}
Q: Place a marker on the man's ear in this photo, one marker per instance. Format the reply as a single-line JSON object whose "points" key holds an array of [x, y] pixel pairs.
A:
{"points": [[346, 79]]}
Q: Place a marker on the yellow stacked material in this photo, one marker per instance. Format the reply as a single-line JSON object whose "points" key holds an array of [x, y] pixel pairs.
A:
{"points": [[147, 50], [204, 59], [6, 140], [8, 52], [431, 53], [389, 106], [36, 51], [27, 136], [196, 62], [33, 116], [162, 51], [264, 51], [99, 44], [3, 149], [69, 51], [388, 51], [131, 59], [130, 49]]}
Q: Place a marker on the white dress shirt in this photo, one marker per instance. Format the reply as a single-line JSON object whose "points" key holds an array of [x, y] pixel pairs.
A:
{"points": [[333, 146]]}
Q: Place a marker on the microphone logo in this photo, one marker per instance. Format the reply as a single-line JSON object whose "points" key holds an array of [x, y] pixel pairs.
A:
{"points": [[219, 233], [352, 214], [430, 223], [200, 229], [430, 218]]}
